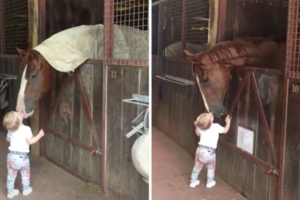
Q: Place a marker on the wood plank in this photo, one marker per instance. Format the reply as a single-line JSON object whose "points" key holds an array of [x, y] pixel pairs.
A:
{"points": [[114, 107], [128, 174]]}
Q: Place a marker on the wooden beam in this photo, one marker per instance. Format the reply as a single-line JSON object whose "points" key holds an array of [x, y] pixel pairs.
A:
{"points": [[213, 22], [33, 24], [2, 39]]}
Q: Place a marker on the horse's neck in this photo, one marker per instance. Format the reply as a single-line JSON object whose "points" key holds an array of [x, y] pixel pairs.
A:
{"points": [[268, 54]]}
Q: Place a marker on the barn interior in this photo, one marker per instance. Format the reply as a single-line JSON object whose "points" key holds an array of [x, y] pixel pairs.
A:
{"points": [[69, 142], [261, 103]]}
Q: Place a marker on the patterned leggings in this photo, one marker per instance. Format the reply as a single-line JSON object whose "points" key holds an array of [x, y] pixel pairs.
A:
{"points": [[17, 163], [204, 156]]}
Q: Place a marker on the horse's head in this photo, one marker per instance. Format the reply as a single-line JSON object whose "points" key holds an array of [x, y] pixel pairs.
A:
{"points": [[36, 80], [213, 81]]}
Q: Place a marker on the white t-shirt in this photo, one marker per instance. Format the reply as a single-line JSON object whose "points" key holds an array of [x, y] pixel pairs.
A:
{"points": [[210, 136], [18, 139]]}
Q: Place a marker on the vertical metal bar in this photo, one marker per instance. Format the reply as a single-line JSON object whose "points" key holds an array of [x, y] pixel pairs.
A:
{"points": [[41, 37], [222, 19], [108, 29], [238, 93], [86, 109], [108, 42], [282, 145], [160, 25], [2, 27], [291, 37], [183, 29]]}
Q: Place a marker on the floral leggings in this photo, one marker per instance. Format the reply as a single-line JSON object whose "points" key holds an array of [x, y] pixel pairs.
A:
{"points": [[204, 156], [17, 163]]}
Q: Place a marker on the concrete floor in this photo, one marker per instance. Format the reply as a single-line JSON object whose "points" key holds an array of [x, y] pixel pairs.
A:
{"points": [[48, 181], [171, 168]]}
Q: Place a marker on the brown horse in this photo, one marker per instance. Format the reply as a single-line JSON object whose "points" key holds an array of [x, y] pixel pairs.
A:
{"points": [[212, 68], [37, 79]]}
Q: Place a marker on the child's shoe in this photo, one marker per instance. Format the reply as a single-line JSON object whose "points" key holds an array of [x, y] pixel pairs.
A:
{"points": [[194, 184], [27, 192], [211, 184], [14, 193]]}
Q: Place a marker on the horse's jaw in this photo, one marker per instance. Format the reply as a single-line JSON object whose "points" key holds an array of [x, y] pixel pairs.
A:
{"points": [[26, 115]]}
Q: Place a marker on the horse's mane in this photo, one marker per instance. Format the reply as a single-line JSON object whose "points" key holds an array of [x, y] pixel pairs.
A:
{"points": [[222, 51]]}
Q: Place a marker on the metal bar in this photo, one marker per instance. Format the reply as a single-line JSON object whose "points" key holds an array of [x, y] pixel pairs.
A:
{"points": [[282, 145], [67, 169], [246, 155], [222, 19], [262, 70], [183, 30], [42, 20], [94, 62], [61, 86], [292, 29], [71, 140], [128, 63], [104, 130], [238, 93], [12, 56], [108, 30], [86, 109], [2, 27], [160, 31], [41, 37], [264, 120], [157, 3]]}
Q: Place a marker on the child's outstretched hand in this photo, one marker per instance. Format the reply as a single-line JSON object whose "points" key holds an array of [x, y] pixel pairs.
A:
{"points": [[228, 119], [41, 133]]}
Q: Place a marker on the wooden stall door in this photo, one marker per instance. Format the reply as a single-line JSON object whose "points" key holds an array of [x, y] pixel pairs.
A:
{"points": [[73, 122], [255, 99]]}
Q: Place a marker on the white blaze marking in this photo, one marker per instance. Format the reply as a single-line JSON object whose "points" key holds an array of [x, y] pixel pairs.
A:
{"points": [[203, 97], [20, 102]]}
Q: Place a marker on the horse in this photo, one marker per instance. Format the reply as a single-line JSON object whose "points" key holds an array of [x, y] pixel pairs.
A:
{"points": [[212, 68], [36, 80]]}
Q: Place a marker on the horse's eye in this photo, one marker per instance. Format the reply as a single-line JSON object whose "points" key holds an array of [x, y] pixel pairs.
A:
{"points": [[33, 76], [205, 79]]}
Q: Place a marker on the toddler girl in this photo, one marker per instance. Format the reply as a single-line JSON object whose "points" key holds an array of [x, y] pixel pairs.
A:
{"points": [[20, 138], [205, 153]]}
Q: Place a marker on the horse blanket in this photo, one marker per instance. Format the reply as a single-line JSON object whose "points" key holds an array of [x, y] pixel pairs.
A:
{"points": [[68, 49]]}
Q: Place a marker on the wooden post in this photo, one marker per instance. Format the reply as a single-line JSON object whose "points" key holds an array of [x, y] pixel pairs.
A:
{"points": [[2, 39], [33, 22], [213, 23]]}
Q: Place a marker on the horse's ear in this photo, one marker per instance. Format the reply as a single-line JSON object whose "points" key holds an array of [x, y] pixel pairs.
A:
{"points": [[33, 53], [22, 52], [190, 56]]}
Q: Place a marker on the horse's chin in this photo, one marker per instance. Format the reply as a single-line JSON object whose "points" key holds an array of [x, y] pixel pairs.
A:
{"points": [[26, 115]]}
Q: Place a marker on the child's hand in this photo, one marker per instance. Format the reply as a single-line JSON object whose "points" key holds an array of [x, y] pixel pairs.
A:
{"points": [[228, 119], [41, 133]]}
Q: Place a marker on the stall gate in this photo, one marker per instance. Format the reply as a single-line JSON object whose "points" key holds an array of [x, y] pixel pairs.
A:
{"points": [[73, 122], [248, 156]]}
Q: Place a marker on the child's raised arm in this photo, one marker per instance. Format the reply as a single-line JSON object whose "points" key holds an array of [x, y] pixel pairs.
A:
{"points": [[227, 126], [36, 138]]}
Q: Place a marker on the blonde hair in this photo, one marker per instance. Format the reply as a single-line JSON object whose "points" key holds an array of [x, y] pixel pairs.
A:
{"points": [[11, 122], [203, 121]]}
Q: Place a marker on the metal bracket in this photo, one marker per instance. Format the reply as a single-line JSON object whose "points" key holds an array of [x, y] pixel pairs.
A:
{"points": [[138, 99], [135, 129], [97, 151], [176, 80]]}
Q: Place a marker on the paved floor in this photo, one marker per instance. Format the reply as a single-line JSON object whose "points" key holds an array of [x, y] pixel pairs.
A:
{"points": [[49, 182], [171, 168]]}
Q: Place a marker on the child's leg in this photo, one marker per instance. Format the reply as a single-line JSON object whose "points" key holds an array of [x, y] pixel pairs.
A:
{"points": [[211, 167], [25, 173], [197, 167], [11, 174]]}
